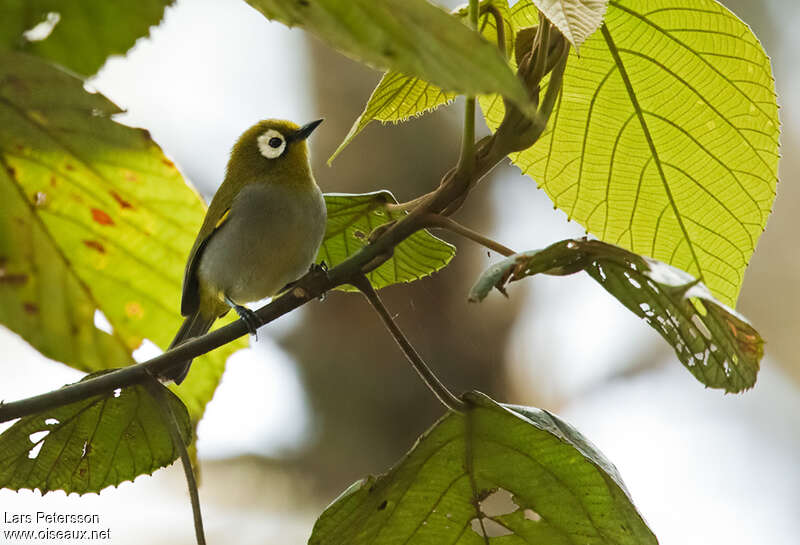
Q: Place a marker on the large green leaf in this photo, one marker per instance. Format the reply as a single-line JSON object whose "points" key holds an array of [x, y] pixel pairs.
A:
{"points": [[399, 97], [91, 444], [576, 19], [497, 474], [665, 138], [718, 346], [351, 218], [83, 33], [93, 217], [412, 37]]}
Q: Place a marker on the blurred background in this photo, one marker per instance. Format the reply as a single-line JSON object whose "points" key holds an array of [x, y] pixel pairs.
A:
{"points": [[320, 401]]}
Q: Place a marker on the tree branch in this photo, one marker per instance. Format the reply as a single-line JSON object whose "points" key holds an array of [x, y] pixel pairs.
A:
{"points": [[426, 374], [158, 392], [445, 200], [443, 222]]}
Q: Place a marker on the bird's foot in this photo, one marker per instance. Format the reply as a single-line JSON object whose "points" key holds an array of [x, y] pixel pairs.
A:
{"points": [[319, 268], [248, 317]]}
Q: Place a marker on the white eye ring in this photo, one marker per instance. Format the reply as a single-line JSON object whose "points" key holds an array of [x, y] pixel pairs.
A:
{"points": [[271, 144]]}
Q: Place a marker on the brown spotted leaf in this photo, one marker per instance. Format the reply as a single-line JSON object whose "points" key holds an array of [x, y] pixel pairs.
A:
{"points": [[718, 346], [93, 217]]}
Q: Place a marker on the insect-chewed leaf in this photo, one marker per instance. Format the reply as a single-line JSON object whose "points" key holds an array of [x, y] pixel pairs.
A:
{"points": [[718, 346], [351, 218], [91, 444], [665, 137], [576, 19], [496, 474], [399, 97], [93, 217], [79, 34]]}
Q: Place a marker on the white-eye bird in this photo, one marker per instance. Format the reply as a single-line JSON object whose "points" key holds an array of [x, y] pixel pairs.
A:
{"points": [[261, 232]]}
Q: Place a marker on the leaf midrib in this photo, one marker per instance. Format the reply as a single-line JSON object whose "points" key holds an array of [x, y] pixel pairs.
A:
{"points": [[650, 143]]}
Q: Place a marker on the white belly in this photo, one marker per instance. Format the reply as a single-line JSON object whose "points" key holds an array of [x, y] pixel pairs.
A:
{"points": [[269, 239]]}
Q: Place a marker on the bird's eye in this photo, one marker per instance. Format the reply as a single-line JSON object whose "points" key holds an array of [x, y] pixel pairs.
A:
{"points": [[271, 144]]}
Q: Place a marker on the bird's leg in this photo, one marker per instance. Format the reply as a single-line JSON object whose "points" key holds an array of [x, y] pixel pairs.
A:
{"points": [[247, 316]]}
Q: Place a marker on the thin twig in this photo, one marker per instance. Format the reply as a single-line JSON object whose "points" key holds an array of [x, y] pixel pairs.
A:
{"points": [[443, 222], [499, 25], [466, 162], [428, 376], [159, 393]]}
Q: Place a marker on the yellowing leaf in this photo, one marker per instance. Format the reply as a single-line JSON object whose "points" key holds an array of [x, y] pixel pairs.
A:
{"points": [[576, 19], [665, 138], [93, 217], [399, 97]]}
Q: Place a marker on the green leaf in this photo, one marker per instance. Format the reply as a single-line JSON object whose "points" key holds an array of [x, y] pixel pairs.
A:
{"points": [[665, 138], [91, 444], [718, 345], [521, 474], [83, 33], [412, 37], [399, 97], [576, 19], [93, 216], [351, 218]]}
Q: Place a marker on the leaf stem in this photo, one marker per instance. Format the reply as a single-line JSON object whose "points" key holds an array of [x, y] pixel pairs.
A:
{"points": [[443, 222], [428, 376], [499, 26], [157, 391], [466, 162]]}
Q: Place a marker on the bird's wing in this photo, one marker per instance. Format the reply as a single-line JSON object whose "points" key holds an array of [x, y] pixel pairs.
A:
{"points": [[190, 299]]}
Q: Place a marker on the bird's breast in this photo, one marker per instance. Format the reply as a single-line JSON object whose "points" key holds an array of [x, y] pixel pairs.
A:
{"points": [[269, 239]]}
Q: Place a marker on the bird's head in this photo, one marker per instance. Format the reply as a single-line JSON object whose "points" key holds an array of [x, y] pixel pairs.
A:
{"points": [[271, 151]]}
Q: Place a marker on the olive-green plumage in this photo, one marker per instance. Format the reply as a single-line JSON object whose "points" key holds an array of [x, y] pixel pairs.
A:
{"points": [[262, 229]]}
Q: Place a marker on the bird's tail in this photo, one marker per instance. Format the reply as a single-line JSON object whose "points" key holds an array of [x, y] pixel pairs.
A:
{"points": [[194, 325]]}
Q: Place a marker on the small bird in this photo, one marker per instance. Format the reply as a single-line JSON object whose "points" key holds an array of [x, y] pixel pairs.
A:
{"points": [[261, 232]]}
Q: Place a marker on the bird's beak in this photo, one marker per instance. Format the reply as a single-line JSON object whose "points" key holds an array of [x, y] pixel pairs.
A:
{"points": [[305, 131]]}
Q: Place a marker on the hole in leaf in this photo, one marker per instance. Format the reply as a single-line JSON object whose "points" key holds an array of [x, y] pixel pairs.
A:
{"points": [[85, 449], [118, 392], [700, 325], [500, 502], [530, 514], [38, 436], [632, 281], [34, 452], [146, 351], [101, 322], [43, 29], [486, 527], [52, 422]]}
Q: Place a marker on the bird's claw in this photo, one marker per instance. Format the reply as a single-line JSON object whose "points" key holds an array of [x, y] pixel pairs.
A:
{"points": [[248, 317]]}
